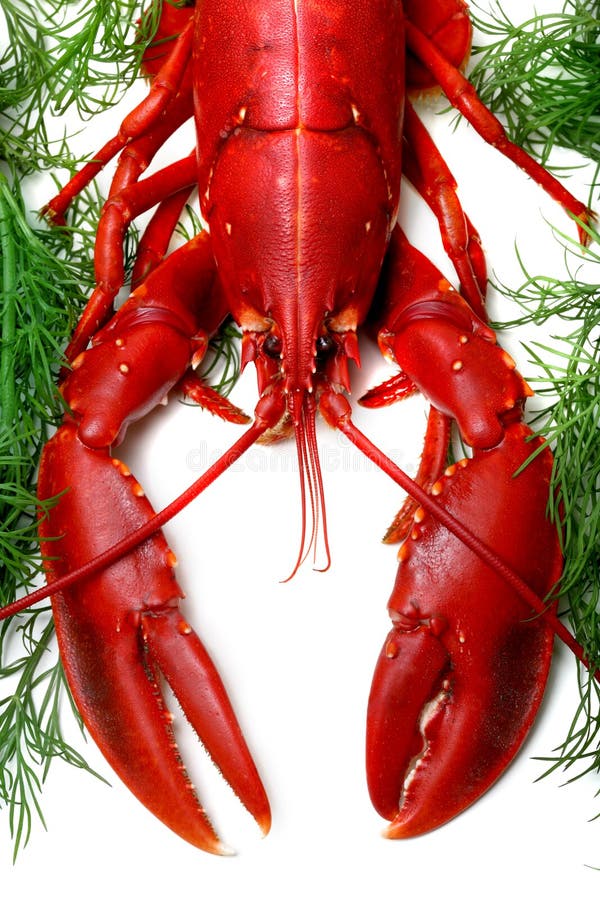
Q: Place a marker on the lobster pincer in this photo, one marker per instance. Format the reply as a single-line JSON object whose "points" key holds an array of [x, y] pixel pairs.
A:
{"points": [[462, 673], [121, 632]]}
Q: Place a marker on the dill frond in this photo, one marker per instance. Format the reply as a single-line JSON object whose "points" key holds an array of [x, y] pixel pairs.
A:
{"points": [[64, 53], [43, 285], [542, 76]]}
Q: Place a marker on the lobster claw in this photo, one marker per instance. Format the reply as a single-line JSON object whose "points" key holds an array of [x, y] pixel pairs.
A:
{"points": [[462, 674], [121, 632]]}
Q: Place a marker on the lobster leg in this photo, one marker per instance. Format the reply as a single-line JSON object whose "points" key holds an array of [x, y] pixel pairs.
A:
{"points": [[168, 80], [136, 156], [157, 235], [462, 95], [120, 631], [121, 209], [116, 217], [448, 24], [138, 153], [429, 174]]}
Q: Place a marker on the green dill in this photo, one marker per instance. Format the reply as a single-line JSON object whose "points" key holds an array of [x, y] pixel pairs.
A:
{"points": [[63, 53], [541, 75], [42, 289]]}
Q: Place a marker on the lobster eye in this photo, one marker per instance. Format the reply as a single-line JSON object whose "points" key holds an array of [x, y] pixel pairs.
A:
{"points": [[323, 346], [272, 346]]}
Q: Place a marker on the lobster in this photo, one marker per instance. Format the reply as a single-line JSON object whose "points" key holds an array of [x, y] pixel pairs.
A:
{"points": [[304, 128]]}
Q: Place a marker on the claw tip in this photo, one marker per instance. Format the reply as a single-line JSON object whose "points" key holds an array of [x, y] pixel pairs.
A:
{"points": [[395, 830], [264, 823]]}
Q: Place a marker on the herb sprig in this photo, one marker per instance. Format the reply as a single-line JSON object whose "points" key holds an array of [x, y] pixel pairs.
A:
{"points": [[42, 289], [542, 76], [63, 53]]}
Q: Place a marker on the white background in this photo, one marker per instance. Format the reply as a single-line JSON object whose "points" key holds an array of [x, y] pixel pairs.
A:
{"points": [[298, 657]]}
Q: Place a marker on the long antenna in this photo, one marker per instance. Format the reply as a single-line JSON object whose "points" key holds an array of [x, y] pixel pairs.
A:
{"points": [[145, 531]]}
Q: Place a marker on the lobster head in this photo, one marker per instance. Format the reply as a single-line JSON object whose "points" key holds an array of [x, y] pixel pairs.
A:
{"points": [[299, 131], [282, 255]]}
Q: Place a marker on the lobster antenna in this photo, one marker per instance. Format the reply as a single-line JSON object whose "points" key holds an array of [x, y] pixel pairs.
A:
{"points": [[149, 528], [310, 477], [321, 509], [300, 436]]}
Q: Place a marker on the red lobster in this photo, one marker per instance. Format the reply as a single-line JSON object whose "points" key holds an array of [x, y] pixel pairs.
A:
{"points": [[303, 133]]}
